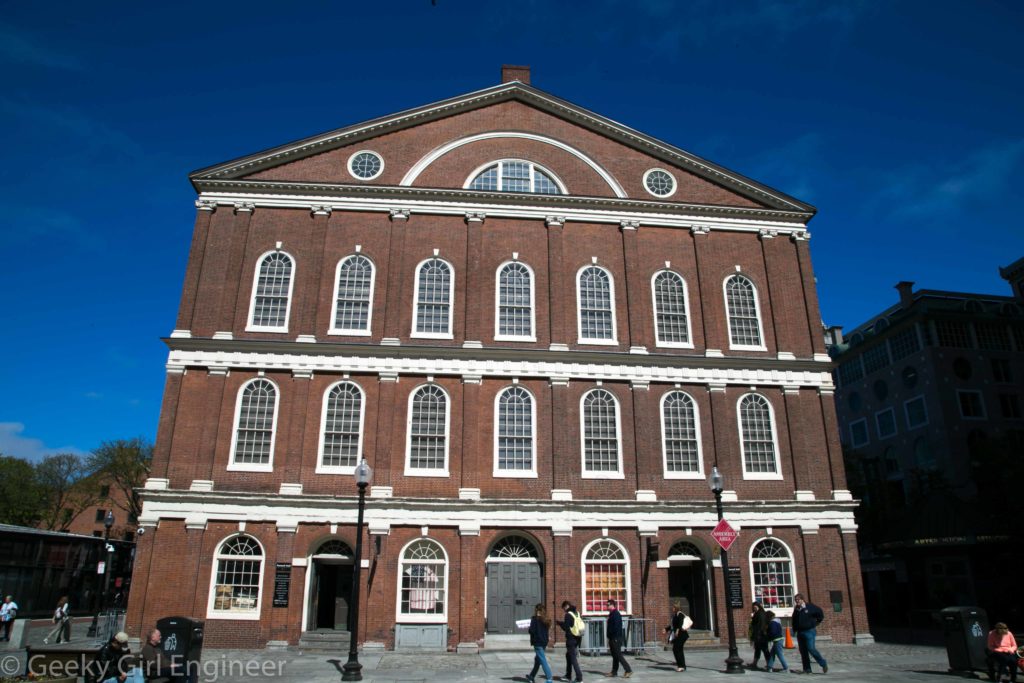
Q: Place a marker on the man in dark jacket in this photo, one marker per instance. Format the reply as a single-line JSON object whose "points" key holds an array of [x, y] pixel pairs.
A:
{"points": [[156, 666], [572, 643], [114, 662], [616, 636], [806, 617]]}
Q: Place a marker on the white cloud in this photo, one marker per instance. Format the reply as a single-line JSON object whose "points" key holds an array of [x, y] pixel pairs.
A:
{"points": [[14, 442]]}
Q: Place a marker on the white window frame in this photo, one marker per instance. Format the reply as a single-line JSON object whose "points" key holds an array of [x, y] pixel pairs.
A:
{"points": [[853, 436], [878, 425], [500, 163], [516, 474], [250, 326], [760, 476], [352, 158], [779, 611], [497, 304], [699, 474], [906, 412], [253, 615], [628, 607], [334, 303], [580, 339], [763, 346], [402, 618], [409, 471], [675, 183], [584, 472], [247, 466], [321, 468], [981, 402], [686, 306], [416, 302]]}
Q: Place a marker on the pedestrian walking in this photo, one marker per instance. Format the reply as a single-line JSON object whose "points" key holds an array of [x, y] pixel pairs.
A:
{"points": [[574, 628], [62, 619], [539, 628], [757, 632], [1003, 648], [8, 613], [806, 617], [616, 636], [679, 633], [775, 637]]}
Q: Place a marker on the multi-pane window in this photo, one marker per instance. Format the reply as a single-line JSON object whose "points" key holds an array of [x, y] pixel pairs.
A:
{"points": [[859, 433], [428, 430], [1009, 405], [771, 567], [342, 426], [757, 436], [885, 421], [515, 301], [605, 577], [993, 336], [971, 405], [423, 582], [1001, 370], [433, 299], [876, 358], [272, 293], [353, 296], [514, 436], [953, 333], [904, 343], [741, 306], [238, 566], [680, 437], [597, 319], [670, 320], [851, 371], [600, 416], [254, 426], [917, 413], [513, 175]]}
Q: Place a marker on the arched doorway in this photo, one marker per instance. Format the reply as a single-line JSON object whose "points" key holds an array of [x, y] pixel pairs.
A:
{"points": [[330, 586], [688, 583], [515, 583]]}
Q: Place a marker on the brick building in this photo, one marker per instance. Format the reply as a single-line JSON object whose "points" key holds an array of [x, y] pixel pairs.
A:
{"points": [[516, 310]]}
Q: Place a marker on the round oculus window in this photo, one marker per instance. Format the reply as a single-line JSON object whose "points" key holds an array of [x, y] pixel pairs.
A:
{"points": [[365, 165], [659, 183]]}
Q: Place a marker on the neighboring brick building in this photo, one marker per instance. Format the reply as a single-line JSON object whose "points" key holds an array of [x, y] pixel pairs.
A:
{"points": [[90, 521], [515, 310], [932, 413]]}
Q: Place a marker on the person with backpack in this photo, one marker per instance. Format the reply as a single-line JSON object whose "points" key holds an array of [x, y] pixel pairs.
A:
{"points": [[574, 628], [806, 617], [616, 635], [62, 619], [679, 633], [775, 644], [539, 626]]}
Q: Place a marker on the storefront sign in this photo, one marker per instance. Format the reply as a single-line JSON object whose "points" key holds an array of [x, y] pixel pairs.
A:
{"points": [[282, 583], [734, 588]]}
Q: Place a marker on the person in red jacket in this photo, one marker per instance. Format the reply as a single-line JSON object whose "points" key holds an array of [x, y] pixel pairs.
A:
{"points": [[1003, 647]]}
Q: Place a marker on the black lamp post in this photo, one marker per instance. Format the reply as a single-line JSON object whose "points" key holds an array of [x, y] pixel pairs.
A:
{"points": [[353, 670], [108, 522], [733, 663]]}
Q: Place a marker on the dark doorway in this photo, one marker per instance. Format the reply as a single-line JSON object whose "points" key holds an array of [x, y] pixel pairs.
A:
{"points": [[688, 583], [331, 595]]}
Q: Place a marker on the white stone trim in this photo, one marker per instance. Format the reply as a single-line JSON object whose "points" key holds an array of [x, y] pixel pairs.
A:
{"points": [[157, 484], [201, 485]]}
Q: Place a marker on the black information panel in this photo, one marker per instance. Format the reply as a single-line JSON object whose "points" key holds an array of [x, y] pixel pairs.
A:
{"points": [[282, 583], [734, 587]]}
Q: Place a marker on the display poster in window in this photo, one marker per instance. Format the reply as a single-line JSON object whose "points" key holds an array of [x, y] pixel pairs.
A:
{"points": [[734, 587], [282, 583]]}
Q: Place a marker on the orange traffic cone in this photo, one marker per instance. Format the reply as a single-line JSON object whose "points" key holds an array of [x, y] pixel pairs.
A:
{"points": [[789, 640]]}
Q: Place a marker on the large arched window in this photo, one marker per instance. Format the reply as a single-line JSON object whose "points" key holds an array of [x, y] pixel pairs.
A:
{"points": [[272, 293], [515, 175], [514, 307], [743, 314], [671, 307], [758, 441], [428, 432], [341, 431], [514, 434], [423, 583], [771, 566], [595, 298], [435, 291], [605, 577], [602, 445], [353, 296], [680, 437], [252, 449], [237, 579]]}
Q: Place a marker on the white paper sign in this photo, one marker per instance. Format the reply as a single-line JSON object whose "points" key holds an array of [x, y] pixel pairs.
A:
{"points": [[523, 623]]}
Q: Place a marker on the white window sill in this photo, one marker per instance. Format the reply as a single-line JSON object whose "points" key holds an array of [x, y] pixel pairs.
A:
{"points": [[324, 469], [859, 445], [348, 333], [422, 619], [598, 342], [762, 476], [234, 616], [425, 473], [673, 345], [684, 475], [602, 475], [256, 328], [514, 474], [432, 335], [744, 347], [505, 337], [250, 467]]}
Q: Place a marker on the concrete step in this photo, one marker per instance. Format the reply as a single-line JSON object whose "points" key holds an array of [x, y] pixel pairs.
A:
{"points": [[324, 641], [507, 641]]}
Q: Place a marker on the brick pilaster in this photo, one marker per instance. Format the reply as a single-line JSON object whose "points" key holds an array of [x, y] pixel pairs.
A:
{"points": [[473, 305], [563, 462], [709, 296], [637, 301], [397, 277], [233, 296], [186, 310], [165, 428], [810, 291], [206, 456], [473, 452], [310, 285], [292, 452], [558, 322]]}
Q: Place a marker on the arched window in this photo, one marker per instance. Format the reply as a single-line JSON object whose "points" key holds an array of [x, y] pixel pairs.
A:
{"points": [[671, 304], [334, 548], [428, 432], [255, 420], [605, 577], [685, 550], [757, 438], [272, 293], [514, 435], [435, 290], [744, 313], [680, 436], [515, 303], [595, 298], [341, 431], [771, 567], [602, 448], [353, 296], [515, 175], [514, 548], [423, 583], [237, 578]]}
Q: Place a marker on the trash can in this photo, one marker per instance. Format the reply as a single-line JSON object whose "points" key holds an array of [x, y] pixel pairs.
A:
{"points": [[965, 630], [182, 642]]}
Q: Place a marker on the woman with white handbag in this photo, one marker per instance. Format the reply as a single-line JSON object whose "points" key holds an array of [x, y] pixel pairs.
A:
{"points": [[679, 633]]}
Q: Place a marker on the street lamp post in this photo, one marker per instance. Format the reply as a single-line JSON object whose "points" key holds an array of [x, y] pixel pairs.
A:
{"points": [[353, 670], [108, 522], [733, 663]]}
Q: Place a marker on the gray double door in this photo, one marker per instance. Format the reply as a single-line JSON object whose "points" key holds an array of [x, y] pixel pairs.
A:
{"points": [[513, 590]]}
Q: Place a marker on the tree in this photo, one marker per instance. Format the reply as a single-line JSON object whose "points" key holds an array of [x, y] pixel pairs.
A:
{"points": [[125, 464], [67, 488], [20, 492]]}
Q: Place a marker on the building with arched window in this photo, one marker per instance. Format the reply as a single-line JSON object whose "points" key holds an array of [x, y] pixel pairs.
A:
{"points": [[542, 330]]}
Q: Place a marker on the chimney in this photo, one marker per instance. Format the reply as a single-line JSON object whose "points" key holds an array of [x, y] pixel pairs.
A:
{"points": [[906, 290], [510, 72]]}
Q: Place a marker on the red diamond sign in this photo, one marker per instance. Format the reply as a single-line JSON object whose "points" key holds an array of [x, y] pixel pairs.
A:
{"points": [[724, 534]]}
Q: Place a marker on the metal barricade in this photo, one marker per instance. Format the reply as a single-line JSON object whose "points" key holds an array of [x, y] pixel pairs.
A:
{"points": [[108, 623], [594, 642]]}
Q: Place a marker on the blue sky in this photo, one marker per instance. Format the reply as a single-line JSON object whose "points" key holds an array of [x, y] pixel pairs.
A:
{"points": [[900, 121]]}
